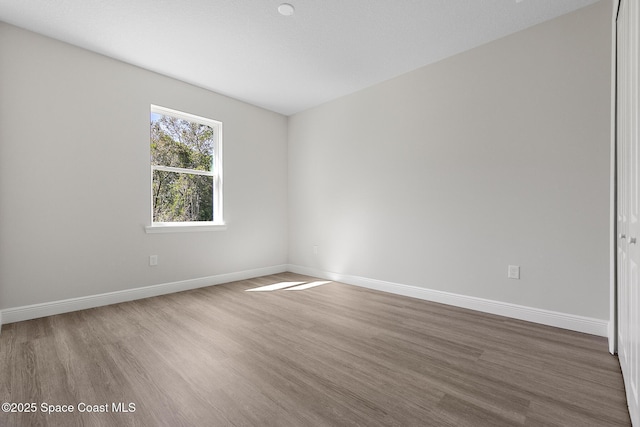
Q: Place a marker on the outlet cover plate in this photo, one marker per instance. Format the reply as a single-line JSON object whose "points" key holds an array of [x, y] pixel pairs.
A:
{"points": [[513, 272]]}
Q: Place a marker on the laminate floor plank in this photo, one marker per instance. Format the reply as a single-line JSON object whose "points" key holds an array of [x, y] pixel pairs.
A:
{"points": [[258, 352]]}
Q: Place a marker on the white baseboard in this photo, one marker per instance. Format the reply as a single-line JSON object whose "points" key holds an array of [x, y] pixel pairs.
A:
{"points": [[561, 320], [536, 315], [18, 314]]}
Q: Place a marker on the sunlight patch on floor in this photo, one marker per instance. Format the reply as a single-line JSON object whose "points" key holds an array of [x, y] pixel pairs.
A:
{"points": [[274, 287], [288, 286], [307, 286]]}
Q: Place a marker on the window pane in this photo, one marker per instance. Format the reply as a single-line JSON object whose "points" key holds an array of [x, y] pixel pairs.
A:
{"points": [[181, 143], [182, 197]]}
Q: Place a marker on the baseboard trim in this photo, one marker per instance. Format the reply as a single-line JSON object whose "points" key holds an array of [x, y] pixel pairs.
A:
{"points": [[34, 311], [536, 315], [546, 317]]}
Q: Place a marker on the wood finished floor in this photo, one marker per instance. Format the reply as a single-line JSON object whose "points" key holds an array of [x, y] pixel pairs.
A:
{"points": [[330, 355]]}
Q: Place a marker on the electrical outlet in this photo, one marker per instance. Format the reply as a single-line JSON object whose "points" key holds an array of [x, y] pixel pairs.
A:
{"points": [[153, 260], [513, 272], [315, 250]]}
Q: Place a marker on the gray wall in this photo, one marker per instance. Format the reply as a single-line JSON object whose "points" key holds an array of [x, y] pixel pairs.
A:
{"points": [[438, 178], [442, 177], [75, 181]]}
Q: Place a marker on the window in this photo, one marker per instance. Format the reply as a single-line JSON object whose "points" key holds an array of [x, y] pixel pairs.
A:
{"points": [[186, 171]]}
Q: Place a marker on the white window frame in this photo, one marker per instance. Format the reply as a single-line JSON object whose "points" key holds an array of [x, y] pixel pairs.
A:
{"points": [[218, 223]]}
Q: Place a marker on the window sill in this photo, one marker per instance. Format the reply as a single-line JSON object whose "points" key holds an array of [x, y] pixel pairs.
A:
{"points": [[183, 227]]}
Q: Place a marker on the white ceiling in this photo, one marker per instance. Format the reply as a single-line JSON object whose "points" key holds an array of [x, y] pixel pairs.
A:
{"points": [[247, 50]]}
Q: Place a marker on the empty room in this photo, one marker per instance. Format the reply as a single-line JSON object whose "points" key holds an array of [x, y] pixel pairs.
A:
{"points": [[319, 213]]}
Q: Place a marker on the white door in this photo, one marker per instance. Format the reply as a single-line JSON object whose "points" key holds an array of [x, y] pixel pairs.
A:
{"points": [[628, 220]]}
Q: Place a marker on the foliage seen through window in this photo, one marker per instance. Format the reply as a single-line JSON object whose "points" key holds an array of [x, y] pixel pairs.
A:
{"points": [[184, 179]]}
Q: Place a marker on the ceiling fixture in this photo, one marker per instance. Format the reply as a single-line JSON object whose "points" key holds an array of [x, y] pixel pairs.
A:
{"points": [[286, 9]]}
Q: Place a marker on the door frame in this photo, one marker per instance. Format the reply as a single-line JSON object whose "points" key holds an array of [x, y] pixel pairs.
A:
{"points": [[613, 183]]}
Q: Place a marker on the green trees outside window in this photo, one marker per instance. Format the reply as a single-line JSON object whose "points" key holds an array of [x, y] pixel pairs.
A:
{"points": [[183, 169]]}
